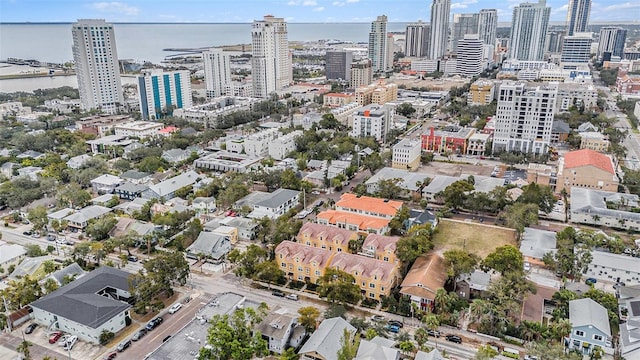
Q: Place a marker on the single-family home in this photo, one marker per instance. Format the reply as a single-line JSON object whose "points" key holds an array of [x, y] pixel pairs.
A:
{"points": [[167, 188], [88, 306], [325, 342], [378, 348], [10, 254], [66, 274], [209, 245], [128, 207], [204, 205], [7, 169], [589, 326], [130, 191], [275, 204], [105, 184], [535, 243], [81, 218], [426, 276], [277, 329], [472, 285], [136, 177], [77, 162], [175, 156]]}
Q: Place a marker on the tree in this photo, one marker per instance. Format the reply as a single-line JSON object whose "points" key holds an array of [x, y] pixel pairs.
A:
{"points": [[420, 336], [396, 225], [405, 109], [459, 262], [486, 352], [23, 348], [455, 194], [431, 322], [540, 195], [505, 259], [389, 189], [73, 196], [289, 354], [339, 286], [34, 250], [544, 350], [268, 271], [106, 336], [98, 229], [232, 337], [349, 346], [335, 310], [416, 243], [38, 217], [521, 215], [407, 347], [309, 317], [248, 260]]}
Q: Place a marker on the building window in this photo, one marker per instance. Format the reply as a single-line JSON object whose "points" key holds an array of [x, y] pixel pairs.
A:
{"points": [[372, 285], [597, 337], [579, 333]]}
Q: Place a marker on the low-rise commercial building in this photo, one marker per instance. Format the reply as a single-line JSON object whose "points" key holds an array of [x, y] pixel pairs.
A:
{"points": [[587, 169], [223, 161], [454, 139], [604, 208]]}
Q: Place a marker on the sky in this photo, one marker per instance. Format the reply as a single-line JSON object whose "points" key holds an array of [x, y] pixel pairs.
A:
{"points": [[244, 11]]}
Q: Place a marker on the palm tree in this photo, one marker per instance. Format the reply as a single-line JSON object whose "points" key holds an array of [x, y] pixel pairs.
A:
{"points": [[561, 329], [24, 349], [432, 323]]}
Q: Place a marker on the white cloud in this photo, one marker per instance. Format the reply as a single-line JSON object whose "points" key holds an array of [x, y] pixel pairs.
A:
{"points": [[353, 1], [559, 10], [458, 6], [302, 2], [115, 7], [318, 9], [623, 6]]}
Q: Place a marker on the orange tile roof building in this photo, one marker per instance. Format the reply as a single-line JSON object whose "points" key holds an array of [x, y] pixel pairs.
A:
{"points": [[374, 277], [427, 275], [370, 206], [354, 222], [381, 247], [587, 169], [326, 237]]}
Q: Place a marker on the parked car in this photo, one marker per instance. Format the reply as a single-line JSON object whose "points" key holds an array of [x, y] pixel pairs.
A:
{"points": [[63, 340], [132, 258], [54, 337], [434, 333], [527, 266], [110, 356], [293, 297], [27, 233], [395, 323], [377, 318], [123, 345], [51, 237], [454, 338], [175, 307], [591, 281], [30, 328], [154, 323], [277, 293], [71, 340], [393, 328], [139, 334]]}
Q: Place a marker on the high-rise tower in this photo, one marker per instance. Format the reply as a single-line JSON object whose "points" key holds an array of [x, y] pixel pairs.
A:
{"points": [[217, 72], [612, 40], [529, 31], [378, 44], [97, 68], [439, 28], [488, 26], [463, 24], [416, 42], [578, 16], [271, 62]]}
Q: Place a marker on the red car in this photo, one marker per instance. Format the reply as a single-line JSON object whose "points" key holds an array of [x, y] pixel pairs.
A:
{"points": [[53, 338], [110, 356]]}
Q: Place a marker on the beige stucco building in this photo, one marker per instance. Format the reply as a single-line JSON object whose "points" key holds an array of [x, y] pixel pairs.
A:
{"points": [[586, 169], [594, 141]]}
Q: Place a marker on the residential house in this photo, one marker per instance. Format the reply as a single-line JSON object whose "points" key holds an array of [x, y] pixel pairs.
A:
{"points": [[630, 328], [614, 268], [204, 205], [77, 162], [175, 156], [66, 274], [30, 154], [300, 262], [277, 329], [130, 191], [126, 226], [247, 228], [109, 145], [130, 148], [106, 184], [228, 231], [10, 254], [535, 243], [381, 247], [136, 177], [275, 204], [128, 207], [599, 207], [421, 217], [409, 182], [104, 200], [433, 355], [326, 237], [7, 169], [80, 219], [210, 246], [167, 188], [440, 182], [473, 285], [589, 326], [31, 172], [325, 342], [378, 348], [426, 276], [88, 306], [587, 126], [175, 205], [375, 278], [587, 169]]}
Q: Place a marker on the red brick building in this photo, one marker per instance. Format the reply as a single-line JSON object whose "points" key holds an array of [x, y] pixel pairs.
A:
{"points": [[452, 139]]}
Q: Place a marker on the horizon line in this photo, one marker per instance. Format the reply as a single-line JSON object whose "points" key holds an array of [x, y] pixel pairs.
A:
{"points": [[555, 23]]}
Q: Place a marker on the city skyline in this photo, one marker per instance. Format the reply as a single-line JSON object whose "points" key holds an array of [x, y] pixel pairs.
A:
{"points": [[245, 11]]}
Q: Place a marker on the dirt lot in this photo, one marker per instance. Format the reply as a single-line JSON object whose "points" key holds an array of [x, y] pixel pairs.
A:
{"points": [[478, 239], [444, 84], [455, 169]]}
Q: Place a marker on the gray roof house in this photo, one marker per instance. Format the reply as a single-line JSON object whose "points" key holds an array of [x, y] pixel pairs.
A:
{"points": [[433, 355], [437, 184], [81, 219], [136, 177], [612, 268], [535, 243], [277, 328], [167, 188], [175, 155], [87, 306], [30, 154], [76, 162], [73, 270], [473, 284], [129, 190], [590, 326], [378, 348], [587, 126], [212, 245], [10, 254], [324, 343], [408, 180], [630, 329], [28, 267], [590, 207], [105, 184], [7, 168], [276, 204]]}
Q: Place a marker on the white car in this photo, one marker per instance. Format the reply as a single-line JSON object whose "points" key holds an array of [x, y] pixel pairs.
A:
{"points": [[174, 308], [71, 340], [63, 340], [527, 266]]}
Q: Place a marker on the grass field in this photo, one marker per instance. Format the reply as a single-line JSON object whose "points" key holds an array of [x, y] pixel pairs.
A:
{"points": [[476, 238]]}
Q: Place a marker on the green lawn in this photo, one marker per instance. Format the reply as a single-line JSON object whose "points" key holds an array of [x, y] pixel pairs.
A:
{"points": [[476, 238]]}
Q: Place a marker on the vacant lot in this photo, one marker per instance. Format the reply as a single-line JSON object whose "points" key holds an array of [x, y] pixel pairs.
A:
{"points": [[476, 238]]}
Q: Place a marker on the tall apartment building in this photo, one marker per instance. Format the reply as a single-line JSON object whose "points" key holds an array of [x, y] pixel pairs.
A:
{"points": [[97, 68], [463, 24], [372, 120], [416, 43], [162, 92], [529, 30], [378, 44], [488, 26], [406, 155], [338, 65], [524, 117], [612, 39], [470, 58], [576, 48], [361, 74], [578, 16], [553, 41], [377, 93], [440, 10], [271, 62], [217, 72]]}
